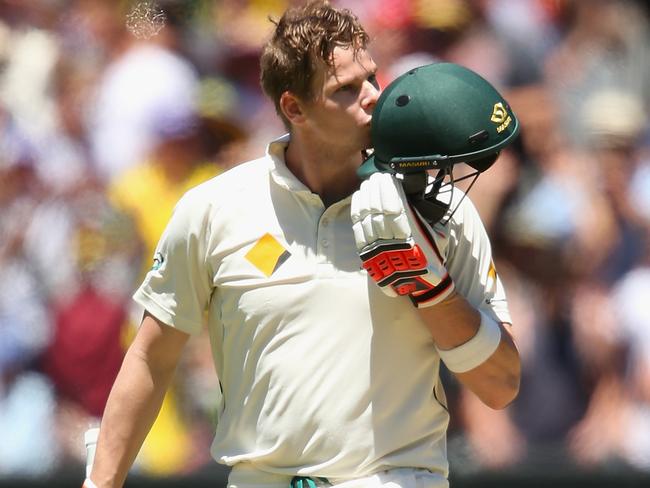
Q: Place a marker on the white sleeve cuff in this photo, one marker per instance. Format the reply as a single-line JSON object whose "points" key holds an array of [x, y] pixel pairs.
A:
{"points": [[477, 350]]}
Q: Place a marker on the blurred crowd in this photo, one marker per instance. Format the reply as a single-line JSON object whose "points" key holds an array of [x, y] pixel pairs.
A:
{"points": [[111, 110]]}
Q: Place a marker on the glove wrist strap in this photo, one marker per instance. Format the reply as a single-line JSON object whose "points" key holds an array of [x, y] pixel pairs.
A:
{"points": [[434, 295]]}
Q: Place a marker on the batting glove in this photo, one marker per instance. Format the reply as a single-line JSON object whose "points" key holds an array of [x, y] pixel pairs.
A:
{"points": [[395, 245]]}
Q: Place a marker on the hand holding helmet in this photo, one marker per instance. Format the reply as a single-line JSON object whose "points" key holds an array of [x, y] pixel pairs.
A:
{"points": [[430, 118], [396, 248]]}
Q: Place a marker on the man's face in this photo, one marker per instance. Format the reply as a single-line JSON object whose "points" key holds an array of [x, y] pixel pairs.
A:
{"points": [[344, 99]]}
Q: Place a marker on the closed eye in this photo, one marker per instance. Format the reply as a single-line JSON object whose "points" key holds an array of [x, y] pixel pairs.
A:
{"points": [[346, 88], [353, 87]]}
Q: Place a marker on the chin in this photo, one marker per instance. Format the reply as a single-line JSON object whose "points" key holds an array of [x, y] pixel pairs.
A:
{"points": [[364, 139], [367, 143]]}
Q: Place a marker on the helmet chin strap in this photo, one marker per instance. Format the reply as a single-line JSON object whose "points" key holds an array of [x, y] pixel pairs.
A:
{"points": [[416, 185], [423, 194]]}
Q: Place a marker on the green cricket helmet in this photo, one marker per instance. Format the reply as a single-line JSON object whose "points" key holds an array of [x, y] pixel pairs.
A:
{"points": [[435, 116]]}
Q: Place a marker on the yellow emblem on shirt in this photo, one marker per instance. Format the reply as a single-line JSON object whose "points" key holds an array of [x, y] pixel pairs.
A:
{"points": [[492, 277], [267, 254]]}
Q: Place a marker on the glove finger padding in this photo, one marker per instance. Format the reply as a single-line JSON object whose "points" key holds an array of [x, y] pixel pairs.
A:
{"points": [[395, 244], [378, 212], [359, 211], [379, 226]]}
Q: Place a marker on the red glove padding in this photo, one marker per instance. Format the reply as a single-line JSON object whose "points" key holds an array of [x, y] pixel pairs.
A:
{"points": [[401, 269]]}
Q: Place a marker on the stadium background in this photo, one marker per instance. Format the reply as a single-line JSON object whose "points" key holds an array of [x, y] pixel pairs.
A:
{"points": [[110, 110]]}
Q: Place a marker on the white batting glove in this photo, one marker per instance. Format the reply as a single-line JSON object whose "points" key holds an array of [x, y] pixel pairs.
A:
{"points": [[394, 242]]}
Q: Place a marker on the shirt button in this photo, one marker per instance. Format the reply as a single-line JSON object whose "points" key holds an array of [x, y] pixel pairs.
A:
{"points": [[325, 242], [325, 222]]}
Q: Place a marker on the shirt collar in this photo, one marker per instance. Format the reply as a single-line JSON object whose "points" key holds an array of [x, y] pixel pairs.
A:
{"points": [[279, 171], [281, 175]]}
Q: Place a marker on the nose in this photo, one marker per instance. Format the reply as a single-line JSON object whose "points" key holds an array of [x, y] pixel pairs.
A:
{"points": [[370, 96]]}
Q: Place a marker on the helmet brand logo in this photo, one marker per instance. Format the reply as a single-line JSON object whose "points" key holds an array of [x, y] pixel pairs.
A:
{"points": [[499, 113], [412, 164], [500, 116]]}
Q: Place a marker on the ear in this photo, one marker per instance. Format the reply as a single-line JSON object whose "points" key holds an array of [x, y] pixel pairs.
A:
{"points": [[292, 108]]}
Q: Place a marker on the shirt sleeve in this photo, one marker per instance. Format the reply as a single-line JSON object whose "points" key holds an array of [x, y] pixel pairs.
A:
{"points": [[470, 263], [178, 287]]}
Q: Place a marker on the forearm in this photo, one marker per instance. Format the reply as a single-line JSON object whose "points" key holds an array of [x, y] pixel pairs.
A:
{"points": [[131, 409], [496, 381], [402, 257], [135, 399], [454, 322]]}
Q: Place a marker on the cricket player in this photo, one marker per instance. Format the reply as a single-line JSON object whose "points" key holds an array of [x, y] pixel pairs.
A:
{"points": [[330, 302]]}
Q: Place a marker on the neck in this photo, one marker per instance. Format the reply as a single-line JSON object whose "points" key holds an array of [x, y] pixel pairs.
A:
{"points": [[329, 173]]}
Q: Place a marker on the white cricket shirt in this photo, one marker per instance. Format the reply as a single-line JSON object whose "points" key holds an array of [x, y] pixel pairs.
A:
{"points": [[322, 374]]}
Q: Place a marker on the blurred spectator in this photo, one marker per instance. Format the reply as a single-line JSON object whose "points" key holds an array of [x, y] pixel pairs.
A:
{"points": [[27, 402], [186, 152], [598, 437], [63, 151], [609, 324], [29, 56], [603, 47], [144, 81], [630, 296], [90, 320], [614, 121]]}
